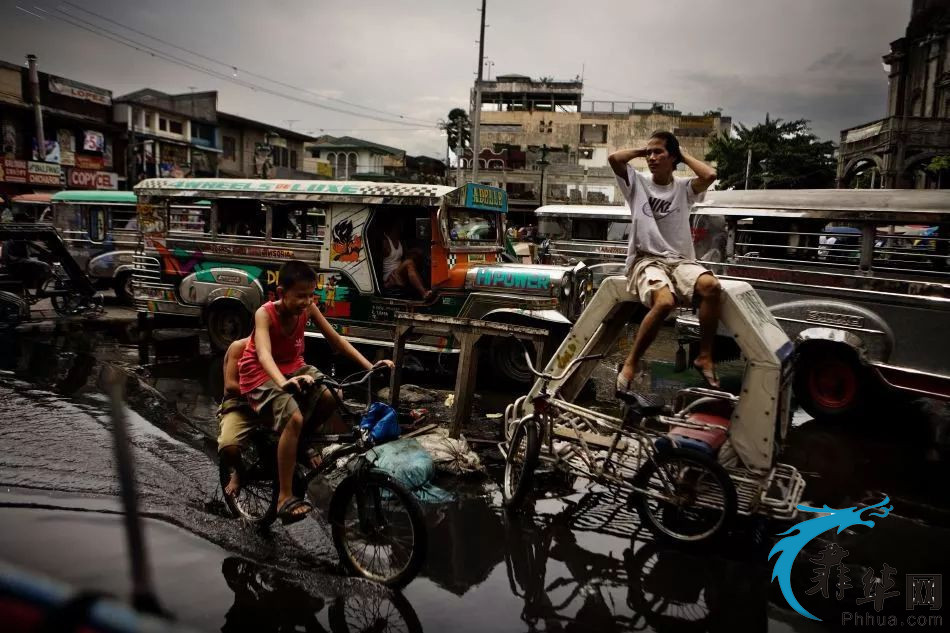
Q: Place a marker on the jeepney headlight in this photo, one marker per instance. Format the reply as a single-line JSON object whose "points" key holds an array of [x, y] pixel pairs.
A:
{"points": [[566, 281]]}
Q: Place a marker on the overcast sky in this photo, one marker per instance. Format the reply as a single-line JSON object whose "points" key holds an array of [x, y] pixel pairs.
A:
{"points": [[817, 59]]}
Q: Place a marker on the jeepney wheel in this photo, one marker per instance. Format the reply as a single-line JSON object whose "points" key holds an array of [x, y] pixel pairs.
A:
{"points": [[506, 356], [830, 383], [226, 324], [123, 288]]}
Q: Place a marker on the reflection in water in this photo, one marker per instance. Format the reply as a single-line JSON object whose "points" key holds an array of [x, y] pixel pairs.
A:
{"points": [[266, 600]]}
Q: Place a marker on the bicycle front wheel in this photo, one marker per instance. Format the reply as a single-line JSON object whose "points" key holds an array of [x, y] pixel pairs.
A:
{"points": [[378, 528], [256, 503], [520, 462], [684, 496]]}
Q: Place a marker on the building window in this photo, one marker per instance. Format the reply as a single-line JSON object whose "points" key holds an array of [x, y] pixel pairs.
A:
{"points": [[593, 133], [293, 159], [163, 124], [230, 148], [350, 165], [176, 127]]}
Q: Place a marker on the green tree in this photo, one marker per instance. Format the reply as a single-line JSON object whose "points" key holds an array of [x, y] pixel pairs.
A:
{"points": [[940, 165], [458, 120], [785, 155]]}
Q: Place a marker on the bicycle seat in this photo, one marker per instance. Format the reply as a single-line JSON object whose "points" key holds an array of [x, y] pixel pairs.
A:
{"points": [[642, 404]]}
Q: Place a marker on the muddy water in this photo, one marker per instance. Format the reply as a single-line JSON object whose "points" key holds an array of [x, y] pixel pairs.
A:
{"points": [[577, 561]]}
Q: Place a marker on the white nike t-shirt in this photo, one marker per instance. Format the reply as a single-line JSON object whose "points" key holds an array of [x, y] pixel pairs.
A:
{"points": [[660, 216]]}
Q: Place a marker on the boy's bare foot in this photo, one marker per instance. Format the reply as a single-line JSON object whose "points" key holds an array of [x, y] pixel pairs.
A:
{"points": [[233, 487], [707, 369]]}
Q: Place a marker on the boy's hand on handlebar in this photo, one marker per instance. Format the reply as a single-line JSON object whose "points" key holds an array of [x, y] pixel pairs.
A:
{"points": [[385, 364], [298, 384]]}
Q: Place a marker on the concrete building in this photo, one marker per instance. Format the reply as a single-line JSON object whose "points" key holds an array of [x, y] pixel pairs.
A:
{"points": [[353, 157], [83, 148], [246, 145], [543, 130], [894, 152], [173, 136]]}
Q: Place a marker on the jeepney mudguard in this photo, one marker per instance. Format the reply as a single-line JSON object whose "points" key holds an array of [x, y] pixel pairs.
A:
{"points": [[205, 287], [548, 316], [108, 265], [837, 322]]}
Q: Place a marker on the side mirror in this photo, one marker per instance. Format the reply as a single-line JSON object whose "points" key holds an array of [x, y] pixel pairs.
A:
{"points": [[423, 229]]}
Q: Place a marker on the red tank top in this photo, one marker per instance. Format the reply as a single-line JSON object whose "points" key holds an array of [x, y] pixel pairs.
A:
{"points": [[286, 350]]}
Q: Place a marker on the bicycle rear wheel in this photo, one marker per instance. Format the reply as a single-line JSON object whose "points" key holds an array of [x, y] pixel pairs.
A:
{"points": [[520, 462], [256, 502], [687, 498], [378, 528]]}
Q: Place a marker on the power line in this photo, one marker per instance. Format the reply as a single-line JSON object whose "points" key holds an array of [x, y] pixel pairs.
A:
{"points": [[157, 53], [237, 68]]}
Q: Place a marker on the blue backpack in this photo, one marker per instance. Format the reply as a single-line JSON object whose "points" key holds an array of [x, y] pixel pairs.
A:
{"points": [[380, 419]]}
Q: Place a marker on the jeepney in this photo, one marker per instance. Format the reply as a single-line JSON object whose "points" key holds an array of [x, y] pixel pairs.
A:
{"points": [[101, 232], [35, 207], [594, 234], [859, 279], [222, 267]]}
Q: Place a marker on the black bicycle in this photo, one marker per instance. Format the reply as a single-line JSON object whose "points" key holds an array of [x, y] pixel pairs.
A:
{"points": [[376, 523]]}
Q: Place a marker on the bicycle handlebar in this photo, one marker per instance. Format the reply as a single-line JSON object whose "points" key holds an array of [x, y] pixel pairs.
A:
{"points": [[567, 370], [342, 384]]}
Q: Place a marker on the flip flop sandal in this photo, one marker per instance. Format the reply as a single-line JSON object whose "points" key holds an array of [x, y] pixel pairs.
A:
{"points": [[286, 512], [709, 376]]}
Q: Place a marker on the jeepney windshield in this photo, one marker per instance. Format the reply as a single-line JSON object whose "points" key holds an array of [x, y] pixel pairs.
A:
{"points": [[470, 225]]}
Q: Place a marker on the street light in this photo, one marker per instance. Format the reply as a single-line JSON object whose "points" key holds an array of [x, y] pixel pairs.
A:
{"points": [[543, 163]]}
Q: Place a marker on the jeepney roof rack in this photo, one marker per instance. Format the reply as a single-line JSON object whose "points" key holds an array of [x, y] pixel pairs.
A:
{"points": [[900, 205]]}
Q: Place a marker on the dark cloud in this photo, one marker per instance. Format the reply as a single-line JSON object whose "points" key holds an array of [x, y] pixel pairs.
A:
{"points": [[794, 58]]}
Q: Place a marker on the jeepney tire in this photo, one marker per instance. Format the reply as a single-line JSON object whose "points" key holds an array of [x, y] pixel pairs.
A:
{"points": [[506, 362], [831, 384], [122, 286], [227, 323]]}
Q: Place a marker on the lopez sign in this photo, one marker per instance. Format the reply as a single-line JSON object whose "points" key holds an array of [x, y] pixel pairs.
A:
{"points": [[74, 89], [88, 179]]}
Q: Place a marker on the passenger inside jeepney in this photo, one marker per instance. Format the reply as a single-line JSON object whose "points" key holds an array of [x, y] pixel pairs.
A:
{"points": [[403, 263], [241, 218]]}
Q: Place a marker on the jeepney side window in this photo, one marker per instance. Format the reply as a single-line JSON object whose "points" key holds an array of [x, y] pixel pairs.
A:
{"points": [[554, 228], [589, 229], [241, 218], [297, 223], [70, 217], [97, 224], [618, 231], [123, 218], [189, 218]]}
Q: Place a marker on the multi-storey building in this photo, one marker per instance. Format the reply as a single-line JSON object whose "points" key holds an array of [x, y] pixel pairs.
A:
{"points": [[543, 143], [894, 152]]}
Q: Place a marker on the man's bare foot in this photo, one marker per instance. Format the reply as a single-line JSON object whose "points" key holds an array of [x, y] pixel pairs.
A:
{"points": [[314, 457], [707, 369], [629, 375], [233, 488]]}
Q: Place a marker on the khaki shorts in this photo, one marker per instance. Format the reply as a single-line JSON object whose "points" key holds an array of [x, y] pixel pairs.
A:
{"points": [[651, 273], [237, 421], [271, 401]]}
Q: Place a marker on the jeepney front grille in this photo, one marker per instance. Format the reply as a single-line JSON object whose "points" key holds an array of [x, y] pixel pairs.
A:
{"points": [[146, 271]]}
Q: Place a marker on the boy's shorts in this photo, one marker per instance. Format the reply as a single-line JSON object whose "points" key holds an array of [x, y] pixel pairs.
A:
{"points": [[651, 273], [270, 400], [237, 421]]}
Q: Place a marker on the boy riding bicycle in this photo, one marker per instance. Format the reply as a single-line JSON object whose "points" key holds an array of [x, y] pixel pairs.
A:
{"points": [[271, 369]]}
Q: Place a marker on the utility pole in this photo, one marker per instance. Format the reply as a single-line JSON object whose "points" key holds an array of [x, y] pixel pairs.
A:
{"points": [[748, 167], [37, 108], [477, 113], [459, 148]]}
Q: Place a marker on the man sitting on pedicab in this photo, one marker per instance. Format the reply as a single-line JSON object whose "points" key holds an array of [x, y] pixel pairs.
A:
{"points": [[661, 263]]}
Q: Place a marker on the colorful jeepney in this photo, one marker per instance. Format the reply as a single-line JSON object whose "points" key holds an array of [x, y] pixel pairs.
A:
{"points": [[220, 263]]}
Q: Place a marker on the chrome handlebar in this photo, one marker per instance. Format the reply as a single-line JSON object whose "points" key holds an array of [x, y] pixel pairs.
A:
{"points": [[555, 377]]}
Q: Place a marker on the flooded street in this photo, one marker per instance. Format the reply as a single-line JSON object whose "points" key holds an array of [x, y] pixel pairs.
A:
{"points": [[577, 561]]}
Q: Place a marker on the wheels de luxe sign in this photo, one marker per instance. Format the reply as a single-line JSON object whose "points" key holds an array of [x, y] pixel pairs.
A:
{"points": [[487, 198]]}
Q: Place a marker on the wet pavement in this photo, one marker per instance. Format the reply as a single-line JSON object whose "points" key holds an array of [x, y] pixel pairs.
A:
{"points": [[577, 561]]}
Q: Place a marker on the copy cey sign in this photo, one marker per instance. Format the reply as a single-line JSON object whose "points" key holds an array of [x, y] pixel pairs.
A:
{"points": [[88, 179]]}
